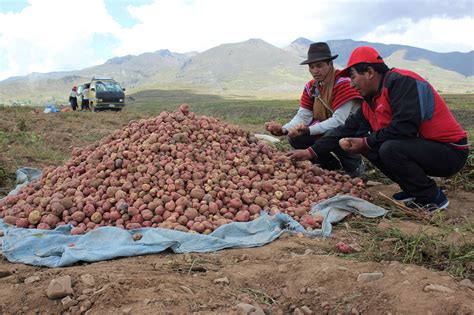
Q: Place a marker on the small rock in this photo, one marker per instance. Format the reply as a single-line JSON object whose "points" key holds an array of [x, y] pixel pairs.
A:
{"points": [[146, 301], [437, 288], [245, 308], [82, 297], [73, 310], [126, 310], [390, 240], [367, 277], [88, 280], [87, 291], [59, 288], [32, 279], [188, 257], [1, 233], [186, 289], [467, 283], [4, 273], [67, 302], [298, 311], [406, 282], [306, 309], [384, 226], [258, 310], [85, 306], [224, 280], [394, 263], [371, 183], [283, 268], [308, 252]]}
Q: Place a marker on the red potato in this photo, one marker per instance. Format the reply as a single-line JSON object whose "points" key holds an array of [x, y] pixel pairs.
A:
{"points": [[77, 230], [22, 223], [137, 236], [242, 216], [78, 216], [343, 248], [345, 144], [153, 171]]}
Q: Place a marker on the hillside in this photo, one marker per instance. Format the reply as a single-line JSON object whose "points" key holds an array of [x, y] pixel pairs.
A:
{"points": [[253, 68], [399, 264]]}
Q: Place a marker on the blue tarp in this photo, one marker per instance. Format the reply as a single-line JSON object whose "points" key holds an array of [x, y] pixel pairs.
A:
{"points": [[56, 248], [50, 108]]}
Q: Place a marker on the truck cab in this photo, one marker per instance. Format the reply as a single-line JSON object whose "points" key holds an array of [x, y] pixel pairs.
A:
{"points": [[106, 93]]}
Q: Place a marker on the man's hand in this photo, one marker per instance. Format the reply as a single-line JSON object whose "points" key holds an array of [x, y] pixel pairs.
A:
{"points": [[354, 145], [298, 130], [274, 128], [298, 155]]}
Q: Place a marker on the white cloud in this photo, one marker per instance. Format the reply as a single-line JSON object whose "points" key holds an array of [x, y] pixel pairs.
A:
{"points": [[53, 35], [202, 24], [437, 34]]}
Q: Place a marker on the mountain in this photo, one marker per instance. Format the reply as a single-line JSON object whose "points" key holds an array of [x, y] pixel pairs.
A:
{"points": [[451, 72], [251, 68]]}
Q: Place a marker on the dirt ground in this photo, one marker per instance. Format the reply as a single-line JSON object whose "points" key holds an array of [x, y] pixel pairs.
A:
{"points": [[293, 275]]}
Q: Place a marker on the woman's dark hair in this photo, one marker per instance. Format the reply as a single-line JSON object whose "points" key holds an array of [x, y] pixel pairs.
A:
{"points": [[364, 67]]}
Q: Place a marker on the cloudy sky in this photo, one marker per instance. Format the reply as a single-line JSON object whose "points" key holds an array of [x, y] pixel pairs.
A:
{"points": [[56, 35]]}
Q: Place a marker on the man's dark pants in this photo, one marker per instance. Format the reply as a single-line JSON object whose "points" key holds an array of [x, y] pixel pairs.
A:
{"points": [[349, 161], [410, 162]]}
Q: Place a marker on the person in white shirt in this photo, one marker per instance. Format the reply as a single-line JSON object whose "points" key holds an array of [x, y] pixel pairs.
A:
{"points": [[85, 98], [325, 104], [73, 98]]}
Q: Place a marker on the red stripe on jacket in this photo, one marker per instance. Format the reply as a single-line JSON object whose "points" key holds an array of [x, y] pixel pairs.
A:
{"points": [[342, 92]]}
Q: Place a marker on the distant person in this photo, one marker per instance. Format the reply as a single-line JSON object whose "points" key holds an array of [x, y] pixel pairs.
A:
{"points": [[85, 98], [404, 128], [325, 104], [73, 98]]}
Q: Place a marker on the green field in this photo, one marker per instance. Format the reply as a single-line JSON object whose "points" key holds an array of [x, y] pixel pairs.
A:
{"points": [[253, 113], [29, 137]]}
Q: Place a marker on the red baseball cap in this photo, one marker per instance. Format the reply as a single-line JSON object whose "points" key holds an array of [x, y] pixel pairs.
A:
{"points": [[362, 54]]}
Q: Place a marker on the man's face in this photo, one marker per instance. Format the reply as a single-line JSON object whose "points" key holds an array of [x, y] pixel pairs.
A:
{"points": [[362, 82], [319, 70]]}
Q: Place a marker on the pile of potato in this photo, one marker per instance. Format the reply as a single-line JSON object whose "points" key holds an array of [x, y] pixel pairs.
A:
{"points": [[178, 171]]}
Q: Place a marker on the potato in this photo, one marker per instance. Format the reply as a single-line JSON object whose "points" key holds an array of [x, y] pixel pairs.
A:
{"points": [[34, 217], [78, 216], [176, 170], [345, 144], [51, 220], [242, 216]]}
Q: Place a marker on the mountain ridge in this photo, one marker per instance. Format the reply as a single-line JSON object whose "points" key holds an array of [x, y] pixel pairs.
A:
{"points": [[249, 68]]}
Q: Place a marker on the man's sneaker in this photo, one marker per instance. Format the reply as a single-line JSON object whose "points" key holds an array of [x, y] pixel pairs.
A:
{"points": [[440, 202], [403, 197]]}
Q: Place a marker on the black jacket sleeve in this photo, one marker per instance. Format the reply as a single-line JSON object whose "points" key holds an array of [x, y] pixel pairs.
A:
{"points": [[406, 112], [355, 126]]}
